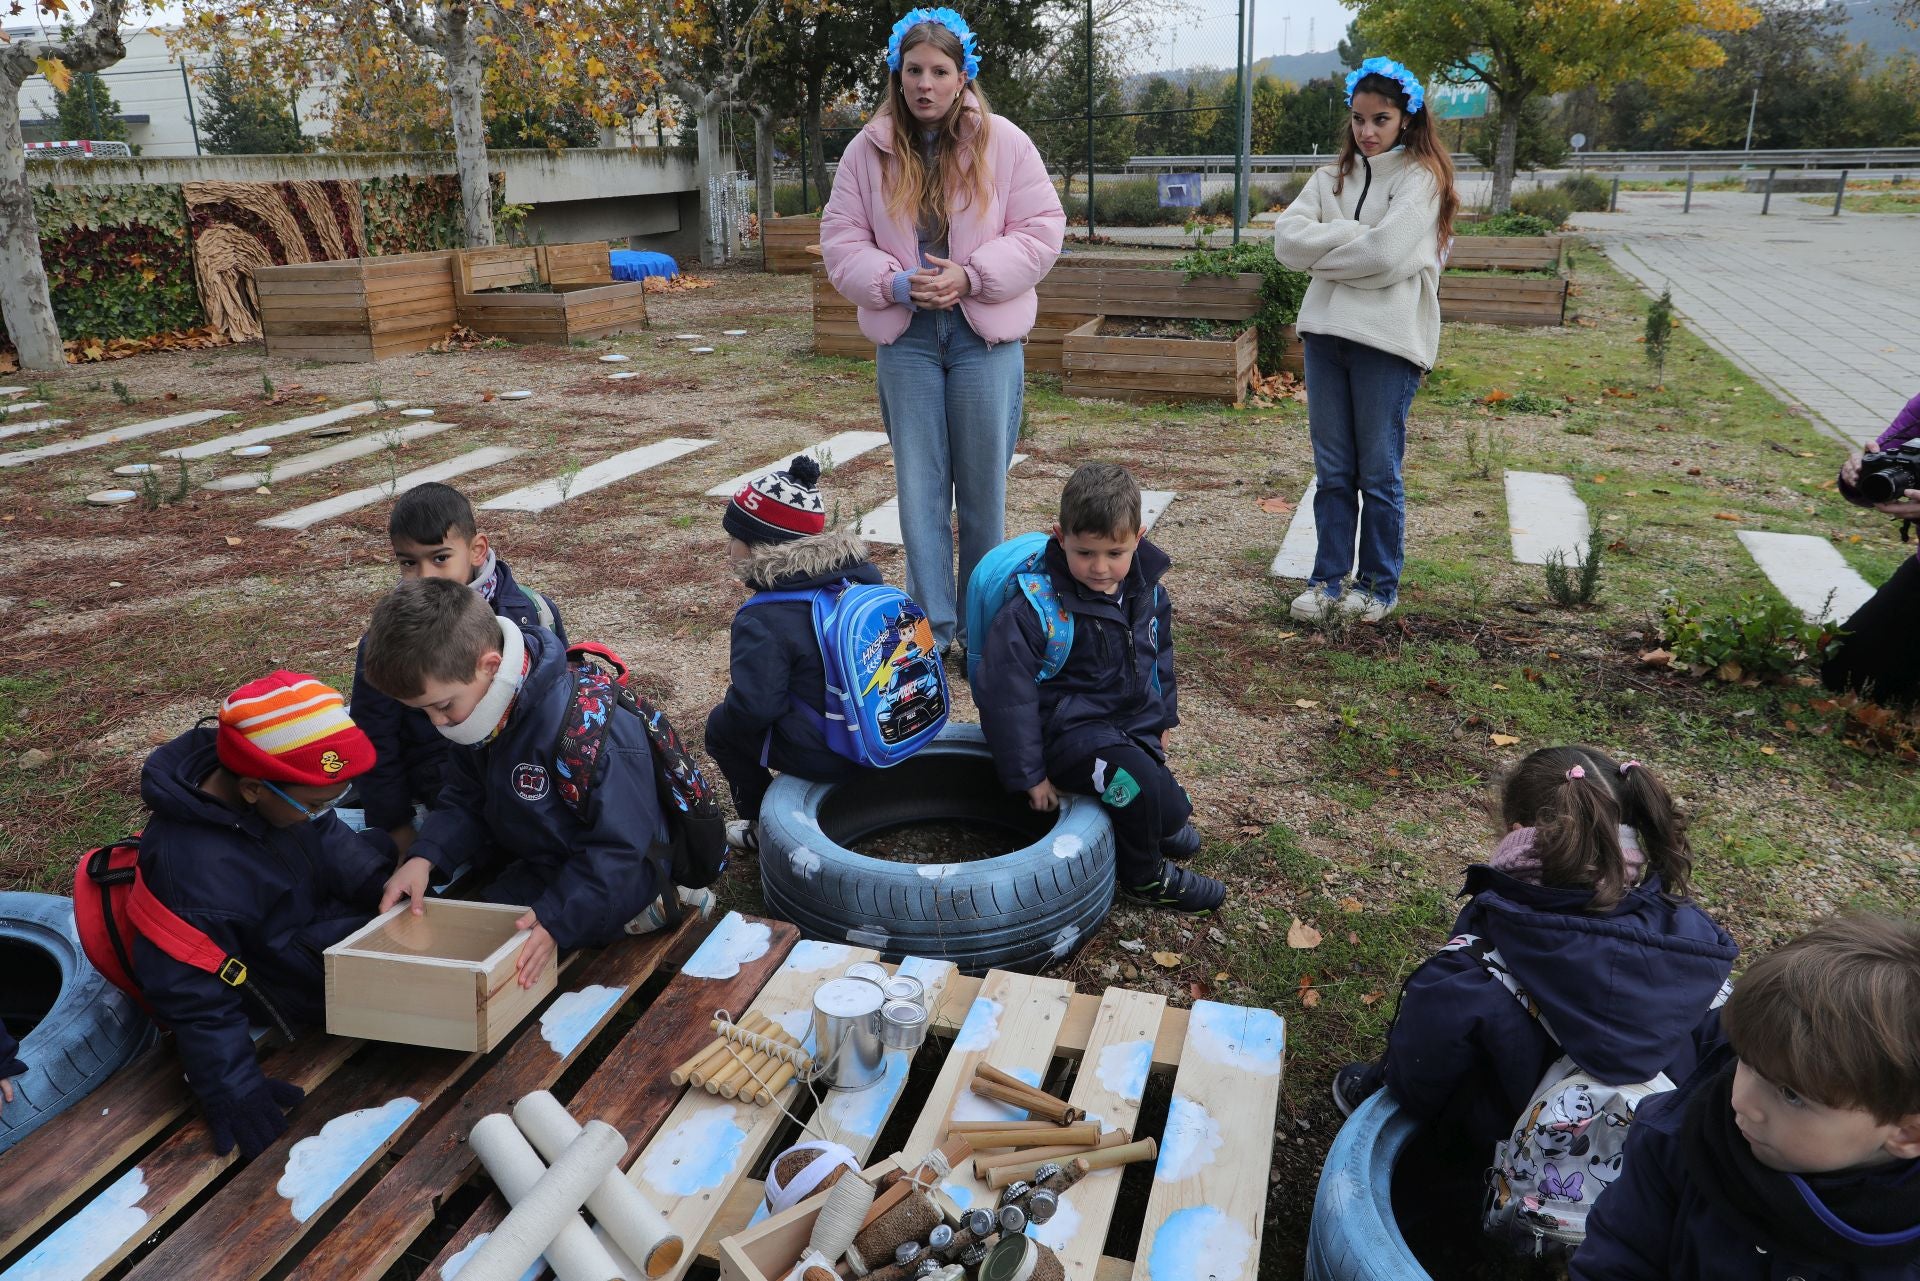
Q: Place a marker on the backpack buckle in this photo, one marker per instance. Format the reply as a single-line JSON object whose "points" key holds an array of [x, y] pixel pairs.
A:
{"points": [[232, 972]]}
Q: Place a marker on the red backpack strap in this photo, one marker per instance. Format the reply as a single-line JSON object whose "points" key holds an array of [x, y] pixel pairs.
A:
{"points": [[580, 650], [159, 925]]}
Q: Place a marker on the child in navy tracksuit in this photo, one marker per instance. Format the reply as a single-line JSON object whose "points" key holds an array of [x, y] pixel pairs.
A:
{"points": [[10, 1064], [243, 846], [1795, 1151], [777, 692], [1584, 904], [1098, 726], [434, 535], [503, 696]]}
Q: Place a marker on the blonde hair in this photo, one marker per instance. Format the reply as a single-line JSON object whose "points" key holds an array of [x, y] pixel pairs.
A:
{"points": [[959, 170]]}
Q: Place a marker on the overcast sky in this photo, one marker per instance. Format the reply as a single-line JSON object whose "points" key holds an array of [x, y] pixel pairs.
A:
{"points": [[1210, 40]]}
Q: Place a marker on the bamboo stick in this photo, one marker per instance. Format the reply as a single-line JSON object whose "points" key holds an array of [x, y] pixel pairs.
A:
{"points": [[702, 1075], [727, 1082], [775, 1083], [975, 1127], [1029, 1157], [1042, 1102], [1051, 1108], [1084, 1135], [680, 1075], [1125, 1154]]}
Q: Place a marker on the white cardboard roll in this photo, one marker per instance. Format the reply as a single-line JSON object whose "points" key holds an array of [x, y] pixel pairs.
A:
{"points": [[545, 1217], [634, 1223]]}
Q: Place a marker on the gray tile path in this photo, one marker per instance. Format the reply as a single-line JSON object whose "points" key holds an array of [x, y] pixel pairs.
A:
{"points": [[1824, 311]]}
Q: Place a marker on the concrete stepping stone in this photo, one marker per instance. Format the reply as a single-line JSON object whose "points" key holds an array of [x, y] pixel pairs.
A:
{"points": [[541, 495], [516, 395], [1810, 572], [112, 497], [1545, 516], [112, 436], [38, 424], [1153, 504], [11, 391], [882, 524], [274, 431], [845, 447], [1303, 539], [301, 464], [22, 406], [340, 504]]}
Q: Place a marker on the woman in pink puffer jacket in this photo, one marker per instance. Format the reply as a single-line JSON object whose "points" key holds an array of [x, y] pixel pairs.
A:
{"points": [[941, 222]]}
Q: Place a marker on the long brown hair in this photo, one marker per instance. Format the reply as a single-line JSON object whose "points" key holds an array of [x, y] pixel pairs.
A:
{"points": [[959, 171], [1421, 142], [1577, 822]]}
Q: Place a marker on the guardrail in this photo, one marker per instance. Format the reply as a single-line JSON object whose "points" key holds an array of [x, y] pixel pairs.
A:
{"points": [[1804, 158]]}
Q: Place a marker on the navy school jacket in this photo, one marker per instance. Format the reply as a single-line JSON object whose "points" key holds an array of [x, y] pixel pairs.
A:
{"points": [[775, 656], [1657, 1222], [10, 1064], [276, 897], [500, 805], [412, 756], [1117, 685], [1629, 993]]}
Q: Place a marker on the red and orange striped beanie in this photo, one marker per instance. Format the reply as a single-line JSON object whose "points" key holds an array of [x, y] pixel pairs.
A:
{"points": [[290, 728]]}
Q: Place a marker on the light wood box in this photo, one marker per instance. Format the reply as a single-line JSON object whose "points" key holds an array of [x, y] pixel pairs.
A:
{"points": [[444, 979], [767, 1250]]}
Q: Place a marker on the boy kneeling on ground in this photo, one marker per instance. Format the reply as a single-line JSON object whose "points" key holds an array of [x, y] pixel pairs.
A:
{"points": [[503, 695]]}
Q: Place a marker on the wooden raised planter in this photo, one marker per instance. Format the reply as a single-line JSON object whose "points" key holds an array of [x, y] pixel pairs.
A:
{"points": [[1158, 369], [357, 309], [1503, 300], [784, 243], [1507, 253], [580, 299]]}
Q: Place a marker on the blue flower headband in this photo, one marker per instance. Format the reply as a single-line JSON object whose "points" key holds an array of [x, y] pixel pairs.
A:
{"points": [[1416, 96], [946, 18]]}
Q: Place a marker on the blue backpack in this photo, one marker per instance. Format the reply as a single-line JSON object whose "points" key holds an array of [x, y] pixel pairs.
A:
{"points": [[886, 686], [1017, 565]]}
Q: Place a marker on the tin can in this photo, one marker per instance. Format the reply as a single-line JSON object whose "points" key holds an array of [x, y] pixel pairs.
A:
{"points": [[846, 1032], [903, 1025], [905, 987]]}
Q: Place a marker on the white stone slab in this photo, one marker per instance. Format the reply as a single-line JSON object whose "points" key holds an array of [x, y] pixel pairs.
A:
{"points": [[845, 447], [22, 406], [274, 431], [882, 524], [11, 391], [1810, 572], [543, 494], [1297, 550], [1545, 516], [346, 450], [339, 505], [38, 424], [112, 436], [1153, 503]]}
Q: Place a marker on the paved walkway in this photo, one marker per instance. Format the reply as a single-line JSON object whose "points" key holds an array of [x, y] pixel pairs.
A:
{"points": [[1824, 311]]}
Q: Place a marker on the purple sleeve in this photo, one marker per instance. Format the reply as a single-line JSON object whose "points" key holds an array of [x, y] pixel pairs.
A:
{"points": [[1905, 426]]}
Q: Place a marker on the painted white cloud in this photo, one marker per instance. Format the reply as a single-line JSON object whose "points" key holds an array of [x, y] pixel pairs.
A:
{"points": [[733, 943], [1192, 1138], [320, 1166]]}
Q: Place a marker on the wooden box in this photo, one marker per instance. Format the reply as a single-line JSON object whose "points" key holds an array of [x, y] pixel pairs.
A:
{"points": [[357, 309], [444, 979], [1158, 369], [1507, 253], [577, 296], [1494, 299], [784, 242]]}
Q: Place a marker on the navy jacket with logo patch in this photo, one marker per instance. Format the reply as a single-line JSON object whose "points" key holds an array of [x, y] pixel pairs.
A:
{"points": [[413, 756], [1629, 993], [1116, 687], [275, 897], [501, 810]]}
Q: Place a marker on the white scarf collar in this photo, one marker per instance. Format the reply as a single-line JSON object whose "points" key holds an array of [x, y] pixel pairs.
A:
{"points": [[485, 720]]}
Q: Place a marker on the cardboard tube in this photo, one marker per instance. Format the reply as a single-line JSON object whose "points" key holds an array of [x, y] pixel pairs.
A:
{"points": [[545, 1217], [1041, 1105], [634, 1223], [1084, 1135], [1125, 1154], [1028, 1158]]}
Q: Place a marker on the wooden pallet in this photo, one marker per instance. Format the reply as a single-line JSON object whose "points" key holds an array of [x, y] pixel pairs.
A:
{"points": [[126, 1181]]}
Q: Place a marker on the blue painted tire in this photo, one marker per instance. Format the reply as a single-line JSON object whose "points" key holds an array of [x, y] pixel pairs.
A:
{"points": [[1353, 1236], [1025, 910], [85, 1028]]}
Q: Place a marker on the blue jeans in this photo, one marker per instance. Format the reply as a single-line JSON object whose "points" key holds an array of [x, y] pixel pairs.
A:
{"points": [[951, 407], [1357, 399]]}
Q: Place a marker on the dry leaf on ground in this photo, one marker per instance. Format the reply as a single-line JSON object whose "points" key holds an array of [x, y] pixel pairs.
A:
{"points": [[1503, 740], [1350, 905], [1166, 960], [1301, 935], [1276, 506]]}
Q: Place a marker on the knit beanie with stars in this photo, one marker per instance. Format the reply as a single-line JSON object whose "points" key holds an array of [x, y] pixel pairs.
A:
{"points": [[779, 506]]}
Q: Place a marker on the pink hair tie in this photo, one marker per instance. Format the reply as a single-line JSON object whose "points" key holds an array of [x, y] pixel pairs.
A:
{"points": [[1577, 772], [1627, 765]]}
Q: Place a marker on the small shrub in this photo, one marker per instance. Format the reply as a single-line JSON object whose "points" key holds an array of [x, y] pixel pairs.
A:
{"points": [[1660, 333], [786, 198], [120, 390], [1263, 197], [1576, 581], [1281, 289], [1506, 224], [1487, 450], [1761, 636], [1586, 193], [1549, 203]]}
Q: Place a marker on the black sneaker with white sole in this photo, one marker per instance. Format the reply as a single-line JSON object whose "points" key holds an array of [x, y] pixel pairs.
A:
{"points": [[1354, 1083], [1179, 890], [1183, 844]]}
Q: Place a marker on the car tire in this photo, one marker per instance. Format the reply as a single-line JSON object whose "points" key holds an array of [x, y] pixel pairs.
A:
{"points": [[1025, 910], [80, 1028], [1352, 1235]]}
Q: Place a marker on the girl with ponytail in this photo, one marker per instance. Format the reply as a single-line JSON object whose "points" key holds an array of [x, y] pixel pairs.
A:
{"points": [[1578, 939]]}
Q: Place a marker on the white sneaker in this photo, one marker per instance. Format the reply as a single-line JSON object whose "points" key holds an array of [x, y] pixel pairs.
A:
{"points": [[1365, 607], [743, 834], [1312, 605], [699, 902]]}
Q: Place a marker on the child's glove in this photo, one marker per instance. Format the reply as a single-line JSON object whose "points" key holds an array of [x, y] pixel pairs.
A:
{"points": [[255, 1118]]}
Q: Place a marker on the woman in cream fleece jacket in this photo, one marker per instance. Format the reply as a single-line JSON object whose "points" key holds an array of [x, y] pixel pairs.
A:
{"points": [[1372, 230]]}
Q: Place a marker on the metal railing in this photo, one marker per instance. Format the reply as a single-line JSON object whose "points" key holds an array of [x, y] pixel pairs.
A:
{"points": [[1802, 158]]}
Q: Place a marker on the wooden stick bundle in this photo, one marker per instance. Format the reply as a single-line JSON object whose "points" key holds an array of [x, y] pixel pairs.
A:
{"points": [[1083, 1135], [990, 1082], [742, 1057], [974, 1127], [1029, 1158]]}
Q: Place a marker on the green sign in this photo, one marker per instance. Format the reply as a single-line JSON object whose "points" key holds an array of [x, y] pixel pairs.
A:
{"points": [[1457, 102]]}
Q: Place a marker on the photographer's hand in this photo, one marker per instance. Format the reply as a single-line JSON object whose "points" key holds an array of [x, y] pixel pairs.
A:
{"points": [[1850, 470], [1907, 510]]}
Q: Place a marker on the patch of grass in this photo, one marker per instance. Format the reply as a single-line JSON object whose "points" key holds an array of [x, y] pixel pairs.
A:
{"points": [[1873, 203]]}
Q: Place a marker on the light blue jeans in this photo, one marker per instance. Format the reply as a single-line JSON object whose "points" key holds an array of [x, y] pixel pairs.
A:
{"points": [[951, 406], [1357, 401]]}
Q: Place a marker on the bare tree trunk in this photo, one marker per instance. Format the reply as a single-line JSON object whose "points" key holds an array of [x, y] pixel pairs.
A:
{"points": [[763, 123], [465, 80], [816, 145], [1503, 154], [25, 302]]}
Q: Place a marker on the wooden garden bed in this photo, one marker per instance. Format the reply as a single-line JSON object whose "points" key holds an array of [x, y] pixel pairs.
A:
{"points": [[1157, 369], [1503, 300], [576, 296], [357, 309], [1508, 253], [785, 242]]}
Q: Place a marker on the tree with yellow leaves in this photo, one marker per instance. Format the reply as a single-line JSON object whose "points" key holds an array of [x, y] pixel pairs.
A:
{"points": [[1524, 48]]}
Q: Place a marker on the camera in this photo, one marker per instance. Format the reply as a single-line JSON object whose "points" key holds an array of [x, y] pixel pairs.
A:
{"points": [[1886, 475]]}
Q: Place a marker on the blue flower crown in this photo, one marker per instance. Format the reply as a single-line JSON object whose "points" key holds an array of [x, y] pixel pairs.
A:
{"points": [[1416, 96], [946, 18]]}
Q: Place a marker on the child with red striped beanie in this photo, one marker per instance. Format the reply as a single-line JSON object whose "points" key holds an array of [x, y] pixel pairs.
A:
{"points": [[243, 847]]}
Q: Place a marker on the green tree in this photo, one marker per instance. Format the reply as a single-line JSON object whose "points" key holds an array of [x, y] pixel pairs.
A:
{"points": [[1537, 143], [87, 109], [1355, 48], [1315, 117], [237, 121], [1160, 135], [1269, 113], [1522, 50], [1062, 95]]}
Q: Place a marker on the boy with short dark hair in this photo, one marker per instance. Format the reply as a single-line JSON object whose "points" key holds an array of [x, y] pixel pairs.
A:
{"points": [[242, 845], [1098, 726], [503, 695], [1795, 1151], [434, 535]]}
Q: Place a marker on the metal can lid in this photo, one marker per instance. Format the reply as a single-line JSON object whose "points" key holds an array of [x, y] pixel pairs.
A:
{"points": [[847, 998], [1013, 1259], [905, 987], [904, 1013], [871, 971]]}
